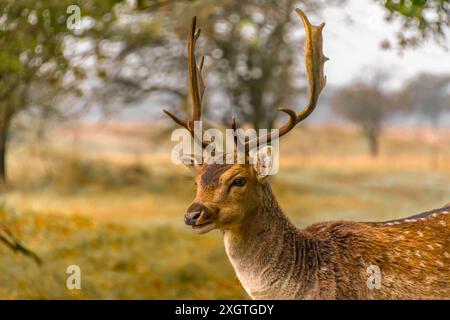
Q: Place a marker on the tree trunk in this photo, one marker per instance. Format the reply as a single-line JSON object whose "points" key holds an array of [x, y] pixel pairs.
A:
{"points": [[373, 139], [4, 125]]}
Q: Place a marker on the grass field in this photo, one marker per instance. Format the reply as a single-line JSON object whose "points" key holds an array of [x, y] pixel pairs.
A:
{"points": [[108, 199]]}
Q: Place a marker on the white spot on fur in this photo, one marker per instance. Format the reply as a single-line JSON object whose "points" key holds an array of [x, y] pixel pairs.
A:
{"points": [[442, 223], [418, 254], [434, 215], [439, 263], [446, 254], [438, 245], [389, 223], [400, 238], [420, 233], [396, 222], [422, 264], [422, 219], [445, 212], [430, 247]]}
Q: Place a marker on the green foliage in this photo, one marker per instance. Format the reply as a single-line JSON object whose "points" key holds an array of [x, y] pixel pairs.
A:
{"points": [[32, 35], [421, 19], [34, 66]]}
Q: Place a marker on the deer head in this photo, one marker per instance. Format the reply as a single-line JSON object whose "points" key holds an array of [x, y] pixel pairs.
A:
{"points": [[227, 193]]}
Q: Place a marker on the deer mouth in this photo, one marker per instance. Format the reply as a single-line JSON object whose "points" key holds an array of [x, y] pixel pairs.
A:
{"points": [[204, 227]]}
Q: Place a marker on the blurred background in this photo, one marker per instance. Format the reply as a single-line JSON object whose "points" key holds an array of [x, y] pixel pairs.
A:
{"points": [[85, 171]]}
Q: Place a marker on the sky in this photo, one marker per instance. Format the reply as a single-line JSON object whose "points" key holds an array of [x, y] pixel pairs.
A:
{"points": [[354, 47]]}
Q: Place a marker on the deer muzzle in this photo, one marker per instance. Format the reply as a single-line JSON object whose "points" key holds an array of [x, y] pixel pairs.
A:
{"points": [[199, 217]]}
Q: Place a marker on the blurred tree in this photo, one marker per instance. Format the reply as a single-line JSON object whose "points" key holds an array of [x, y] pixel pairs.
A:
{"points": [[420, 20], [257, 56], [35, 72], [367, 105], [253, 48], [430, 95], [253, 54]]}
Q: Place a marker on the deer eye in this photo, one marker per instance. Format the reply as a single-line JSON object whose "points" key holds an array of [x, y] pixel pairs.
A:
{"points": [[239, 182]]}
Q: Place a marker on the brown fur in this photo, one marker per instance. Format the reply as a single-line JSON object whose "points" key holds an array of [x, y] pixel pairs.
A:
{"points": [[211, 175], [275, 260]]}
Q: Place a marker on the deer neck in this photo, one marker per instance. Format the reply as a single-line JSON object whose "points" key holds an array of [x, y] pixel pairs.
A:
{"points": [[269, 253]]}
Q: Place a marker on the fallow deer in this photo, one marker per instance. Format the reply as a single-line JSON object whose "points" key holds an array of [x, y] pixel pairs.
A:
{"points": [[273, 259]]}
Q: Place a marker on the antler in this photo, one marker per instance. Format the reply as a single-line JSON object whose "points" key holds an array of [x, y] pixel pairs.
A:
{"points": [[196, 84], [314, 60]]}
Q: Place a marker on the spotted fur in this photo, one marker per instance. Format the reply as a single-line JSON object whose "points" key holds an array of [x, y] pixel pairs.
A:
{"points": [[275, 260]]}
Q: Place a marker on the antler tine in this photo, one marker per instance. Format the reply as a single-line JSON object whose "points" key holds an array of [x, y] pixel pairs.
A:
{"points": [[201, 65], [314, 61], [233, 123], [196, 84], [234, 127], [177, 120]]}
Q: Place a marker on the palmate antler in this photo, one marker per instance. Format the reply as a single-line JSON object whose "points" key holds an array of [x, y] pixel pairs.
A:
{"points": [[314, 60]]}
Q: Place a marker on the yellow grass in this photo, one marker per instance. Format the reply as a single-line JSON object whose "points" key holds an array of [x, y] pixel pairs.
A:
{"points": [[108, 199]]}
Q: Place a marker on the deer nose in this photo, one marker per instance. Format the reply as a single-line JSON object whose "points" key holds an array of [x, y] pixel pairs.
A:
{"points": [[194, 213], [191, 218]]}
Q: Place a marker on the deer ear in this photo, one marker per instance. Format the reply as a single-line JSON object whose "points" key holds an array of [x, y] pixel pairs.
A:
{"points": [[262, 160], [190, 162]]}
